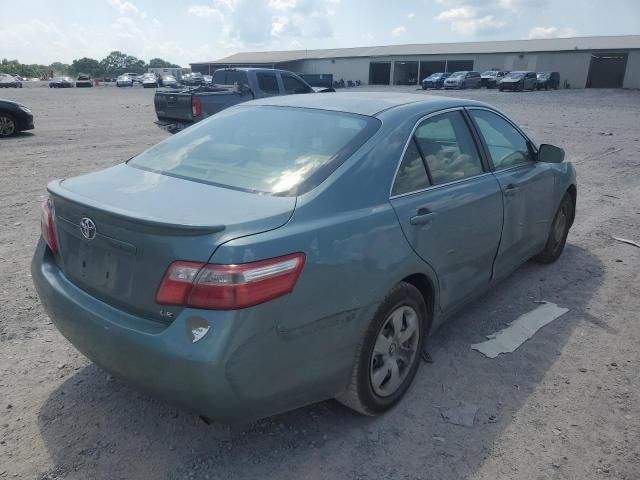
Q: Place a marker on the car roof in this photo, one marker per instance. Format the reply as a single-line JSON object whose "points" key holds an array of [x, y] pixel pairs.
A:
{"points": [[364, 103]]}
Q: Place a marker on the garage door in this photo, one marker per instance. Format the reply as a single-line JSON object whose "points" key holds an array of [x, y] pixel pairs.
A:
{"points": [[607, 70]]}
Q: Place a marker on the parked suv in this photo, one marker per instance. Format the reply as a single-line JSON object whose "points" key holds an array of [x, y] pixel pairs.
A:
{"points": [[548, 80], [435, 80], [519, 81], [491, 78], [463, 79]]}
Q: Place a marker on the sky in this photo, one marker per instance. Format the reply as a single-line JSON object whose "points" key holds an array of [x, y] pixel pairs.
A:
{"points": [[184, 31]]}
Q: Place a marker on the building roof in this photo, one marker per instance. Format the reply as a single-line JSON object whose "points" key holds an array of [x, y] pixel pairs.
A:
{"points": [[624, 42]]}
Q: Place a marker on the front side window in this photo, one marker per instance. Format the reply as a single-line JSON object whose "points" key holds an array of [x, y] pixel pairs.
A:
{"points": [[274, 150], [293, 85], [268, 82], [448, 148], [507, 147]]}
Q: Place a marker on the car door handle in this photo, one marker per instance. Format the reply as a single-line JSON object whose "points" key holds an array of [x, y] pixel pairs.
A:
{"points": [[423, 216], [510, 190]]}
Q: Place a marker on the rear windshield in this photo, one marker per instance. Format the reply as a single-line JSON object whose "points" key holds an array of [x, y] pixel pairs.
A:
{"points": [[274, 150], [229, 77]]}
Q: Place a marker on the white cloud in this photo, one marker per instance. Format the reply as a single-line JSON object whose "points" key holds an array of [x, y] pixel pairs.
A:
{"points": [[474, 26], [125, 8], [396, 32], [551, 32], [457, 13], [411, 16], [205, 11]]}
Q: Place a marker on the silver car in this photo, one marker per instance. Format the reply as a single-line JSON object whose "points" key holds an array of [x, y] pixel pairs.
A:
{"points": [[124, 81], [463, 79]]}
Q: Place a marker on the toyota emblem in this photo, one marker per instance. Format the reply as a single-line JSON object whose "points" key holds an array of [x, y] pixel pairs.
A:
{"points": [[88, 228]]}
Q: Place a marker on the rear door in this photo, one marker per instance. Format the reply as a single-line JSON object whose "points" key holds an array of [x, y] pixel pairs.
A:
{"points": [[449, 205], [527, 187]]}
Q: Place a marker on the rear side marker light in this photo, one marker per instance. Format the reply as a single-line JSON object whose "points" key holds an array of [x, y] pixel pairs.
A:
{"points": [[229, 287], [47, 226]]}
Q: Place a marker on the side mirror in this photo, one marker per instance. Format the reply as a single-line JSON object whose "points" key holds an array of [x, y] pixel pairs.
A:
{"points": [[550, 153]]}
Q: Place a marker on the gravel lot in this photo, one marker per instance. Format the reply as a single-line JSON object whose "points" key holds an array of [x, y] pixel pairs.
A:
{"points": [[566, 405]]}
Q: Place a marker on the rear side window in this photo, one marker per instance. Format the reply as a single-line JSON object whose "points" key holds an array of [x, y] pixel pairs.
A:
{"points": [[412, 175], [507, 147], [274, 150], [448, 148], [268, 83], [293, 85]]}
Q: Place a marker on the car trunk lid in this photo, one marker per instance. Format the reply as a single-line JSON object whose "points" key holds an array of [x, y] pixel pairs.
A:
{"points": [[142, 222]]}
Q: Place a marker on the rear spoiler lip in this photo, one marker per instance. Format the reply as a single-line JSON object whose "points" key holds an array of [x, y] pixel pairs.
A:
{"points": [[158, 226]]}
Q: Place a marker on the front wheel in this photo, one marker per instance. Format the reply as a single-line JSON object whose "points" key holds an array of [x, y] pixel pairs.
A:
{"points": [[7, 125], [559, 230], [389, 355]]}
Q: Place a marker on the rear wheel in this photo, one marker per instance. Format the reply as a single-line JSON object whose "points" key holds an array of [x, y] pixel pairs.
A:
{"points": [[559, 231], [7, 125], [389, 355]]}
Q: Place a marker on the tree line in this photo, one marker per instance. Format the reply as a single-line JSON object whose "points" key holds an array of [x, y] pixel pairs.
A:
{"points": [[112, 65]]}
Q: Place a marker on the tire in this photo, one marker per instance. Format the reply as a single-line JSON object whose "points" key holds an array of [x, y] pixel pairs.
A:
{"points": [[372, 390], [424, 87], [8, 125], [463, 86], [559, 230]]}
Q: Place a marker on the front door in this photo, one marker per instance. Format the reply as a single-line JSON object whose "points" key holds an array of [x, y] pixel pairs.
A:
{"points": [[449, 205], [526, 185]]}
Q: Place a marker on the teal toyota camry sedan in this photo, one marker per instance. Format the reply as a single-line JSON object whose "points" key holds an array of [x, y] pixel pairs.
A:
{"points": [[295, 249]]}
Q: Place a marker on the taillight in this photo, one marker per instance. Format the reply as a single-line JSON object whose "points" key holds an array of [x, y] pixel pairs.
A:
{"points": [[47, 227], [196, 106], [229, 287]]}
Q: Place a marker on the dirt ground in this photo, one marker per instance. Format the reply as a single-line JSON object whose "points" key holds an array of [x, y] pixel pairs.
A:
{"points": [[566, 405]]}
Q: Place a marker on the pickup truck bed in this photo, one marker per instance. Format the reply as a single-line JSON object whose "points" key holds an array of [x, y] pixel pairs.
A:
{"points": [[178, 108]]}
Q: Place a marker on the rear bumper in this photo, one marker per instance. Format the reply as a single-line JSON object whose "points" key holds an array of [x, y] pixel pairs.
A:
{"points": [[241, 369], [172, 126]]}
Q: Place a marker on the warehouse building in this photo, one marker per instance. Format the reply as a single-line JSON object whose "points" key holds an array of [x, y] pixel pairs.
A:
{"points": [[583, 62]]}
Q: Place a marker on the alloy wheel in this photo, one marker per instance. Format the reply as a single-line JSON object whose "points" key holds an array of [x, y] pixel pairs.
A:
{"points": [[7, 126], [395, 351]]}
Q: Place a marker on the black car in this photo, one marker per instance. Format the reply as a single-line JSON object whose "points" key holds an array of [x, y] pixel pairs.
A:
{"points": [[435, 80], [14, 117], [548, 80], [61, 82], [492, 78]]}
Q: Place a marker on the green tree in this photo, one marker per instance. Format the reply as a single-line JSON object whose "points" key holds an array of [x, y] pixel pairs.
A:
{"points": [[85, 65], [160, 63], [117, 63]]}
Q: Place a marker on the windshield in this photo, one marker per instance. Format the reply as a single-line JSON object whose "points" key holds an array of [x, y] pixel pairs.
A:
{"points": [[274, 150], [458, 75], [434, 76], [490, 73], [543, 75], [168, 78], [229, 77], [516, 75]]}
